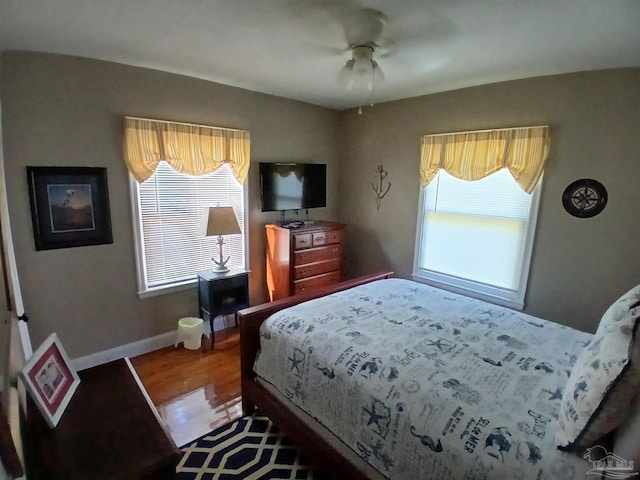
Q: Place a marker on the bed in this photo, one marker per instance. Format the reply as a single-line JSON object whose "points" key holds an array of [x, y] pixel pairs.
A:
{"points": [[388, 378]]}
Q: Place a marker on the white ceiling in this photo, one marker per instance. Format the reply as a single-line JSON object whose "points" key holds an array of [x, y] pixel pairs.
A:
{"points": [[295, 48]]}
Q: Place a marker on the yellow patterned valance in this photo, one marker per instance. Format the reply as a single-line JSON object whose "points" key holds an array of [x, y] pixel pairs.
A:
{"points": [[188, 148], [475, 155]]}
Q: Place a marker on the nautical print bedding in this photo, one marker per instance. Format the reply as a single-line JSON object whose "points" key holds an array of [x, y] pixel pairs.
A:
{"points": [[423, 383]]}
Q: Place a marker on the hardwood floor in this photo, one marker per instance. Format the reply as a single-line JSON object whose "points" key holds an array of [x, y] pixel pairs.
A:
{"points": [[194, 391]]}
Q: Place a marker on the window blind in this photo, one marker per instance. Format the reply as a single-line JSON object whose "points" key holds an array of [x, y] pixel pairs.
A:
{"points": [[476, 231], [171, 206]]}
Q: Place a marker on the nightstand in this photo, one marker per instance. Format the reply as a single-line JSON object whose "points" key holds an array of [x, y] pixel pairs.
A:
{"points": [[222, 294]]}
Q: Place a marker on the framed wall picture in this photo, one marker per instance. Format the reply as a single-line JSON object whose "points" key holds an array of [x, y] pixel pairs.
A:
{"points": [[69, 206], [50, 379]]}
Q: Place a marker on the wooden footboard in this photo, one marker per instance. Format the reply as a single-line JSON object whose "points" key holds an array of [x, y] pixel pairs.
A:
{"points": [[255, 396]]}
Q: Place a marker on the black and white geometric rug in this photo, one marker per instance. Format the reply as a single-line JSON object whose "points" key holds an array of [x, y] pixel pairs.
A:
{"points": [[250, 448]]}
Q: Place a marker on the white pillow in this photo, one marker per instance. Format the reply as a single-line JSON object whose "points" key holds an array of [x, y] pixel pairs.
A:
{"points": [[605, 378]]}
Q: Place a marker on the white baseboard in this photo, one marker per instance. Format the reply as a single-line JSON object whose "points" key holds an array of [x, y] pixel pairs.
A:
{"points": [[140, 347]]}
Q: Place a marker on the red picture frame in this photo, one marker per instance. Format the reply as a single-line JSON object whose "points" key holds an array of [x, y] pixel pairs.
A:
{"points": [[50, 379]]}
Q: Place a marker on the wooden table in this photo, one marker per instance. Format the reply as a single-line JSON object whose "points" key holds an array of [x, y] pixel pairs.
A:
{"points": [[110, 430]]}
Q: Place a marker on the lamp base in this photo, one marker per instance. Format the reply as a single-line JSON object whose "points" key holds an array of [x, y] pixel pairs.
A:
{"points": [[220, 265], [219, 269]]}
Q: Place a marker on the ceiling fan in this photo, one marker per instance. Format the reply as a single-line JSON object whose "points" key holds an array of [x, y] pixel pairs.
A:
{"points": [[363, 31]]}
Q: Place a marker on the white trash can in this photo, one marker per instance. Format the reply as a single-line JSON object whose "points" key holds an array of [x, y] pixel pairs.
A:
{"points": [[190, 331]]}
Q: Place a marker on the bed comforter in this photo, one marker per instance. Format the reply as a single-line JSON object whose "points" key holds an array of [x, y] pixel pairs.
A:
{"points": [[424, 383]]}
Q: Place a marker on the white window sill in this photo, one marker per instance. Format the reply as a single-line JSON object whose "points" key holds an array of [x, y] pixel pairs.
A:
{"points": [[487, 297], [165, 289]]}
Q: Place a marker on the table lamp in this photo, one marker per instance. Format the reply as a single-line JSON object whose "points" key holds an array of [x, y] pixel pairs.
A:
{"points": [[220, 221]]}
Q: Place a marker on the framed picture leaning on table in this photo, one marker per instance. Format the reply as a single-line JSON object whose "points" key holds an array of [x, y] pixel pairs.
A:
{"points": [[50, 379]]}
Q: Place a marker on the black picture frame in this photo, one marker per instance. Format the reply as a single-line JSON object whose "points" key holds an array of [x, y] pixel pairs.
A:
{"points": [[69, 206]]}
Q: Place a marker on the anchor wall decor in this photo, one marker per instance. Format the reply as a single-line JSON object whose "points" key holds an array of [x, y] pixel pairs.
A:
{"points": [[379, 189]]}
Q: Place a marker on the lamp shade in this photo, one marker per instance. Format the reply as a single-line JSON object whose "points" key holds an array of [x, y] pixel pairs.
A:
{"points": [[219, 221]]}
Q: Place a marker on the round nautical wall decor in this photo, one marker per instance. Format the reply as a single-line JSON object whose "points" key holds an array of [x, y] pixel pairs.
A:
{"points": [[584, 198]]}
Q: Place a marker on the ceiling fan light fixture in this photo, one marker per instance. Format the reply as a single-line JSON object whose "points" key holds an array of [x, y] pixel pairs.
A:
{"points": [[362, 53], [378, 76], [360, 69], [363, 30], [345, 75]]}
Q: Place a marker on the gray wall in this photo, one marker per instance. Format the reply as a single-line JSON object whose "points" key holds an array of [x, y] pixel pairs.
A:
{"points": [[66, 111], [579, 266]]}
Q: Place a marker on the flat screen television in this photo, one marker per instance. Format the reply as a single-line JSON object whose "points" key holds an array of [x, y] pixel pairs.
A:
{"points": [[293, 186]]}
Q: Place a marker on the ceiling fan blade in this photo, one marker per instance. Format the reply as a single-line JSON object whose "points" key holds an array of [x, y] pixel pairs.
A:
{"points": [[386, 48]]}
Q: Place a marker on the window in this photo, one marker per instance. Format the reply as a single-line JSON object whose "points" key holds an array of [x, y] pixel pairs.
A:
{"points": [[476, 237], [167, 213]]}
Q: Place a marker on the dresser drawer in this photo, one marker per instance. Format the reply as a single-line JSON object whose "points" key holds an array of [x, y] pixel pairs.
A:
{"points": [[319, 239], [313, 269], [313, 283], [334, 236], [316, 255], [302, 241]]}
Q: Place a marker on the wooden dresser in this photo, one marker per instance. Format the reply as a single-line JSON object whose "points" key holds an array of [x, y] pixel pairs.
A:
{"points": [[303, 259]]}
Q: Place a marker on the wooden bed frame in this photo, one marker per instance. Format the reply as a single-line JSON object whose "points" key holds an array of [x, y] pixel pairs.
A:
{"points": [[255, 395]]}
